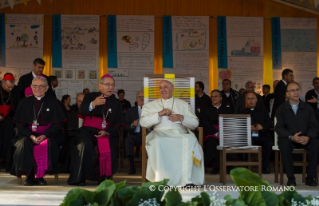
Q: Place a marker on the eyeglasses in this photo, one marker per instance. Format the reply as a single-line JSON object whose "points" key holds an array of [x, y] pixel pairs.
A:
{"points": [[140, 97], [214, 96], [109, 85], [38, 86], [252, 87], [294, 90]]}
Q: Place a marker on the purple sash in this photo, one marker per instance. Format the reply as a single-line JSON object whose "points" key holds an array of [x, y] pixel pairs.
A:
{"points": [[103, 144], [40, 152], [211, 135]]}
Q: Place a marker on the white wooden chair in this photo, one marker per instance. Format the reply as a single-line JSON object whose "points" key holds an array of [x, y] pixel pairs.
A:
{"points": [[235, 137]]}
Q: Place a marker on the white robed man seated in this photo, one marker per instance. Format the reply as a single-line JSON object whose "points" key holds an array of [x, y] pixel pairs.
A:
{"points": [[173, 150]]}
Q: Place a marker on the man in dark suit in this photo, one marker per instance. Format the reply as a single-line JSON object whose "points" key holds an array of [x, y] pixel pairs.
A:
{"points": [[241, 101], [312, 95], [297, 127], [229, 96], [202, 100], [26, 80], [267, 97], [260, 124], [280, 90], [132, 117], [209, 120], [54, 83]]}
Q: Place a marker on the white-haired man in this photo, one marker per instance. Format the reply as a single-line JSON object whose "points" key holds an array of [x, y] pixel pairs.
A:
{"points": [[94, 155], [172, 148], [39, 120], [8, 105]]}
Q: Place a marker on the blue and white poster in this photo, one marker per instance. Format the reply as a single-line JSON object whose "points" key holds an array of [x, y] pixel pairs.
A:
{"points": [[75, 52], [295, 47], [240, 51]]}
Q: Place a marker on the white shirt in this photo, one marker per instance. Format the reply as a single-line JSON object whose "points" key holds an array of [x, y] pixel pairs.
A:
{"points": [[137, 128], [284, 81], [33, 74]]}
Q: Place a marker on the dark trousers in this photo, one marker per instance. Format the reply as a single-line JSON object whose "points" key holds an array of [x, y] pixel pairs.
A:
{"points": [[286, 147], [131, 141], [211, 154], [266, 142]]}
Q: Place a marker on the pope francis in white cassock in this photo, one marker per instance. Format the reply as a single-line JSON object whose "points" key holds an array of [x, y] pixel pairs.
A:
{"points": [[173, 150]]}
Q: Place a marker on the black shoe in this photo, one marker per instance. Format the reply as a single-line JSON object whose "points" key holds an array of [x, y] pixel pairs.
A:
{"points": [[291, 183], [265, 170], [40, 181], [311, 182], [214, 171], [81, 183], [30, 181], [132, 171]]}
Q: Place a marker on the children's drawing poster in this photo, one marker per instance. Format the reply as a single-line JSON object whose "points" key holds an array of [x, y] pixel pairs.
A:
{"points": [[75, 50], [186, 46], [23, 40], [130, 51], [240, 51]]}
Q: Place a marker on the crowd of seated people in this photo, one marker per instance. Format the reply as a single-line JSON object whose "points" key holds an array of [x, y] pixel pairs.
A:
{"points": [[51, 136]]}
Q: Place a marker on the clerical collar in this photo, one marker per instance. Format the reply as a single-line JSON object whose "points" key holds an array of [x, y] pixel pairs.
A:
{"points": [[33, 74], [284, 81], [252, 109], [218, 106], [294, 105], [39, 98]]}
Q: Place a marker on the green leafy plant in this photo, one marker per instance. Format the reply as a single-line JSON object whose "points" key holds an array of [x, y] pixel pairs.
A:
{"points": [[109, 193]]}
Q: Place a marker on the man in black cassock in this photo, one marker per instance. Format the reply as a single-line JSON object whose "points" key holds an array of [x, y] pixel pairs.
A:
{"points": [[26, 80], [260, 125], [94, 155], [8, 105], [209, 120], [39, 120]]}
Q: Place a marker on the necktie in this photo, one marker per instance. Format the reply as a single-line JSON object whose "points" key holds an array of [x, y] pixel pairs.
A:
{"points": [[138, 127]]}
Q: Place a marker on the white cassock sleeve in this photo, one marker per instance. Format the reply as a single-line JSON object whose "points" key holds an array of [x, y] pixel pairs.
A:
{"points": [[190, 120], [148, 118]]}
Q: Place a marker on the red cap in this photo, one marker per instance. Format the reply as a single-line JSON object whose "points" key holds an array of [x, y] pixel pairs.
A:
{"points": [[8, 76]]}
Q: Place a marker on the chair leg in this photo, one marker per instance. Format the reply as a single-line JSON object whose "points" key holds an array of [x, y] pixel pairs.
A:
{"points": [[304, 160], [281, 178], [19, 180], [224, 166], [276, 166], [317, 174], [260, 161], [249, 160], [56, 179], [221, 172]]}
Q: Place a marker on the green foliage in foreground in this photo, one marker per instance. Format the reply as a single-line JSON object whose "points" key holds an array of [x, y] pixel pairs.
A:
{"points": [[109, 193]]}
